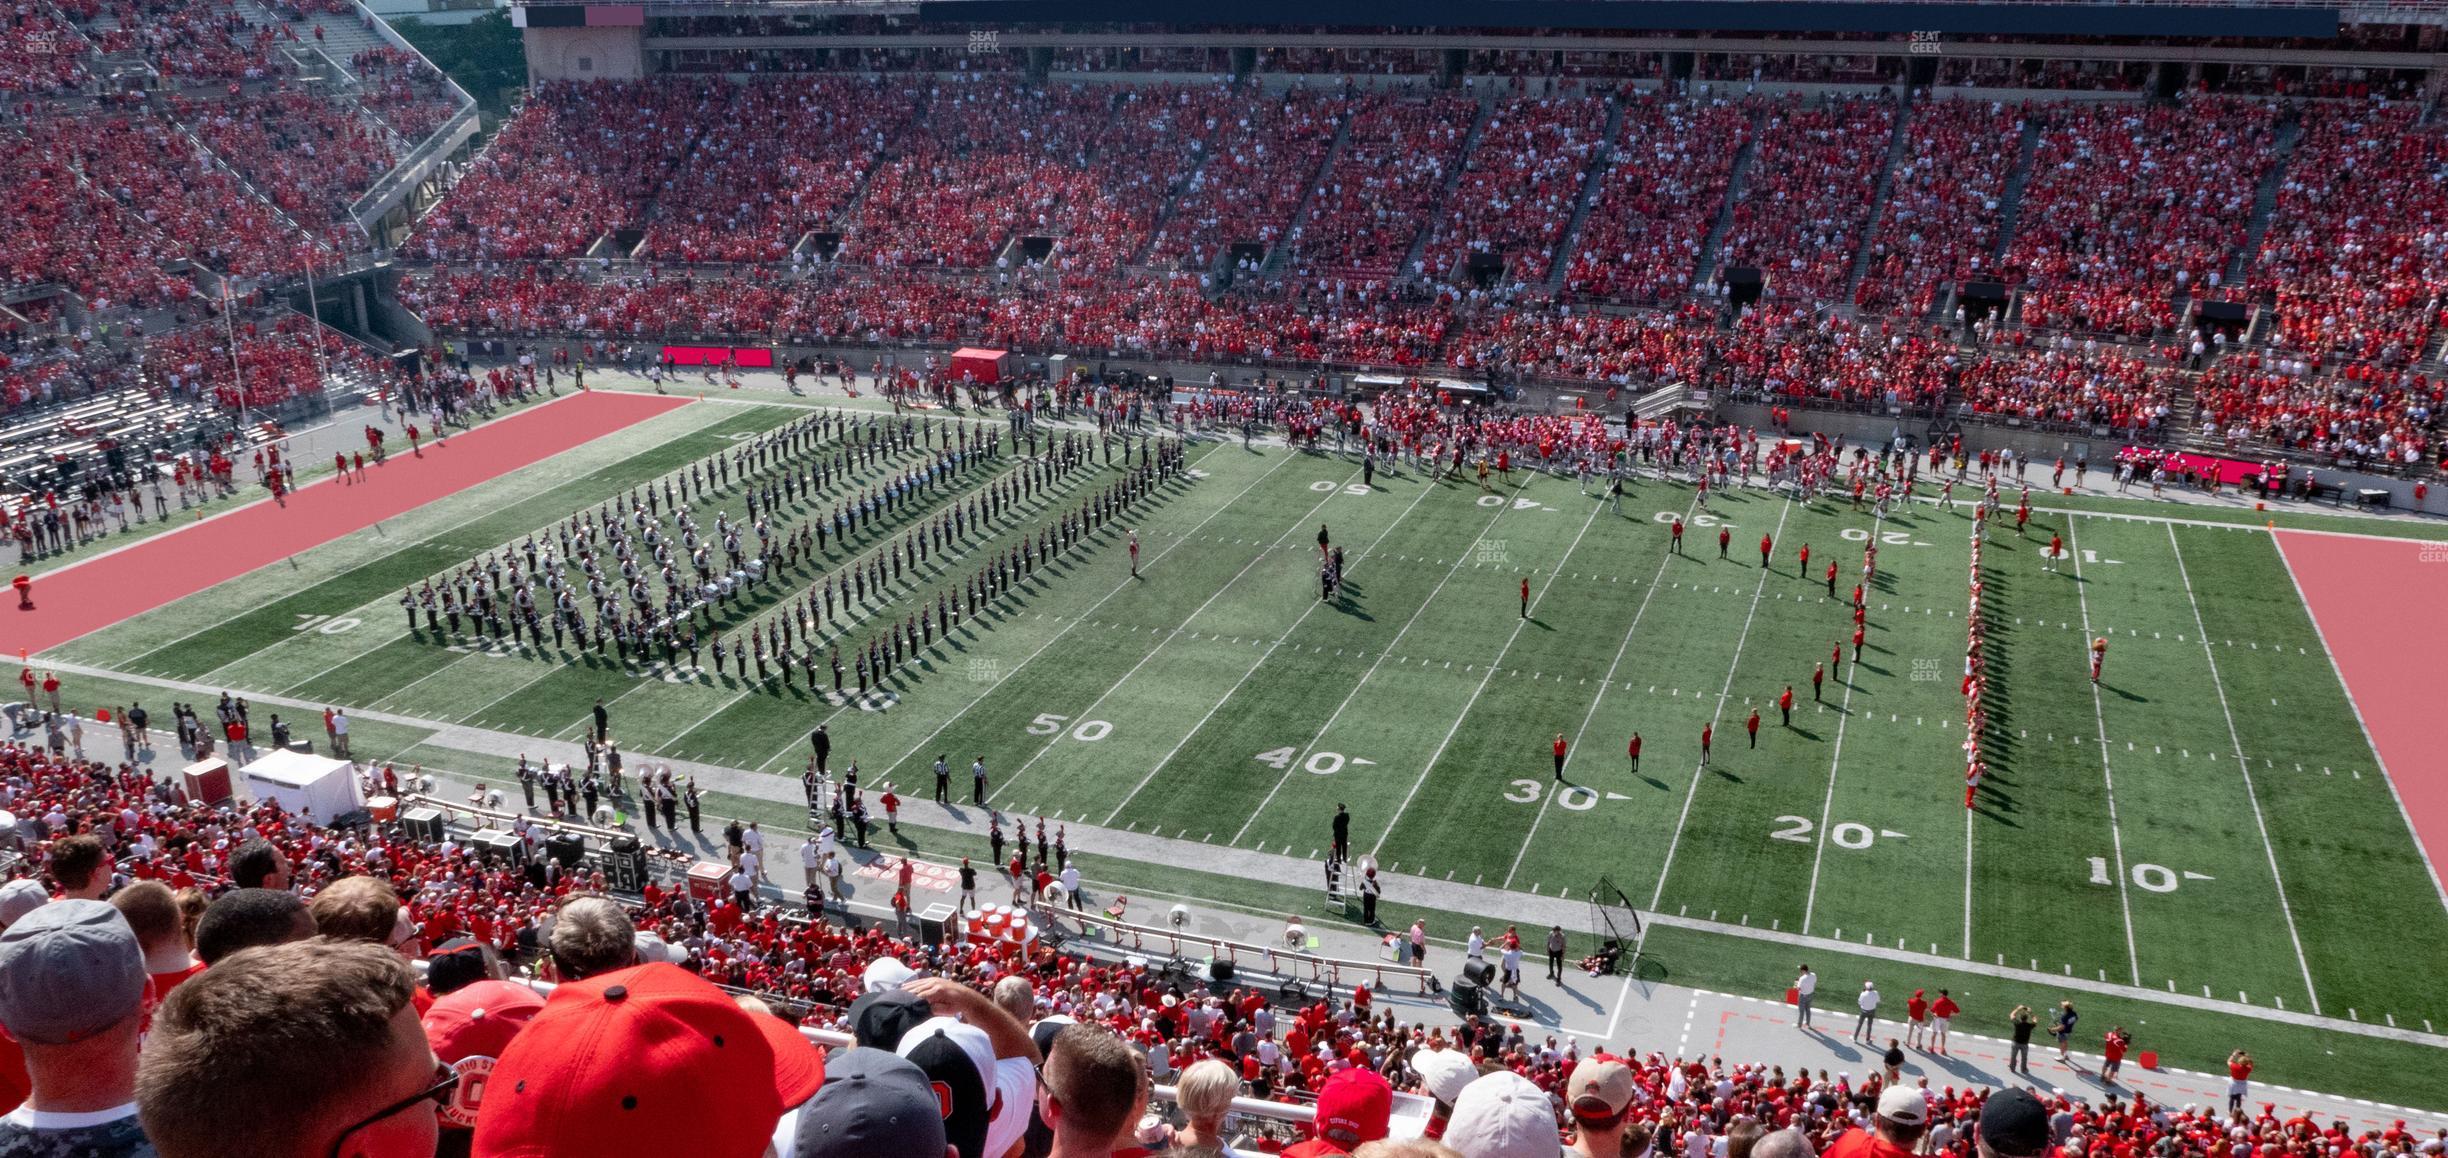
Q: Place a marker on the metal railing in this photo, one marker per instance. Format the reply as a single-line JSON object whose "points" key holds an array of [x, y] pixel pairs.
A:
{"points": [[1287, 962], [368, 209]]}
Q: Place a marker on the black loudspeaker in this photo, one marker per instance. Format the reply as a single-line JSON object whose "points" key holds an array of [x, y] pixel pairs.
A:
{"points": [[423, 824], [1294, 992], [1466, 998], [625, 865], [506, 845], [1220, 971], [1477, 971], [567, 847]]}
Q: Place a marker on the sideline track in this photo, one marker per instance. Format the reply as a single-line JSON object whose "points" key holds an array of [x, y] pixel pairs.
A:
{"points": [[94, 593]]}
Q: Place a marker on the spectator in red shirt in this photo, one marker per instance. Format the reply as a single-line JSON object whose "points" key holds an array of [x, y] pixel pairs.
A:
{"points": [[1941, 1011]]}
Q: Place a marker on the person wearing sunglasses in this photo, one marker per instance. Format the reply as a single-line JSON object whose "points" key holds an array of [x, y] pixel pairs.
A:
{"points": [[305, 1050]]}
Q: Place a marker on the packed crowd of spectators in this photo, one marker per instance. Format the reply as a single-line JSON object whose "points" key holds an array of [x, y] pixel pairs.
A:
{"points": [[403, 89], [1787, 353], [2363, 414], [312, 155], [1659, 198], [42, 379], [1260, 162], [55, 228], [2066, 381], [243, 980], [39, 51], [986, 164], [187, 204], [1104, 214], [1398, 154], [2128, 209], [1944, 199], [193, 41], [1631, 349], [1805, 201], [1520, 185], [2129, 205], [580, 160], [783, 157], [2357, 246], [276, 361]]}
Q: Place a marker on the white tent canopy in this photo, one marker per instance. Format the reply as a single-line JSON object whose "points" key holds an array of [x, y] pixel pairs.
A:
{"points": [[302, 782]]}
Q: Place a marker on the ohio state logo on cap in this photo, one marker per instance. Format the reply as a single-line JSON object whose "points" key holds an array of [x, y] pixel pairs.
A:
{"points": [[475, 1073]]}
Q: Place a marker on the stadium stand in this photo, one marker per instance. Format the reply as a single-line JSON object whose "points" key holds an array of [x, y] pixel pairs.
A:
{"points": [[464, 915], [1674, 161]]}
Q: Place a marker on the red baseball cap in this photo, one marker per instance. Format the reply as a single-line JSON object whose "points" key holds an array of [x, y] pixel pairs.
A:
{"points": [[469, 1028], [1354, 1107], [644, 1060]]}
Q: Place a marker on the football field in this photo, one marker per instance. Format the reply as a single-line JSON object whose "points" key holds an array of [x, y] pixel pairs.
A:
{"points": [[2208, 821]]}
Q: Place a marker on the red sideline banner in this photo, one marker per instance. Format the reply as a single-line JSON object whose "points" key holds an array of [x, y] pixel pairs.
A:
{"points": [[750, 357]]}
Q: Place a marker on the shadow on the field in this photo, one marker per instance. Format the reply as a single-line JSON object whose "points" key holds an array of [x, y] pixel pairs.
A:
{"points": [[2128, 697], [1721, 772], [1834, 1044], [1964, 1071], [1994, 800], [1801, 731]]}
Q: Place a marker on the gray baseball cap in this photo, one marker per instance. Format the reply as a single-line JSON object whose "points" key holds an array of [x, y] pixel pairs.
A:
{"points": [[19, 897], [68, 971], [874, 1104]]}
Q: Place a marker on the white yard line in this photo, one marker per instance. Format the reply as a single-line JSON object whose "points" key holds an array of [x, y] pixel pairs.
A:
{"points": [[2244, 765], [1967, 922], [1269, 650], [542, 670], [1090, 711], [1582, 733], [2099, 717], [1827, 808], [1675, 841], [1285, 777], [2262, 527], [1084, 614], [1494, 662], [2438, 884]]}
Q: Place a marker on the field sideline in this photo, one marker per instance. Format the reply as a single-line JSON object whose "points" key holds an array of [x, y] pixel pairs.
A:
{"points": [[2209, 820]]}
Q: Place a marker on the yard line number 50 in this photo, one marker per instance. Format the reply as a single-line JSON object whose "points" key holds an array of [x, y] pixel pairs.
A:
{"points": [[1049, 724]]}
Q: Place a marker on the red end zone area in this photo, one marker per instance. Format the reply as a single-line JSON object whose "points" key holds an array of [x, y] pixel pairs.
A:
{"points": [[97, 592], [2375, 602]]}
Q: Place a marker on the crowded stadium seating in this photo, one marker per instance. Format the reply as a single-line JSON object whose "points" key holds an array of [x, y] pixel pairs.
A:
{"points": [[1361, 209], [464, 915]]}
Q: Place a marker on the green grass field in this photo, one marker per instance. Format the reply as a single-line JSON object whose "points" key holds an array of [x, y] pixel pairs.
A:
{"points": [[2209, 822]]}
